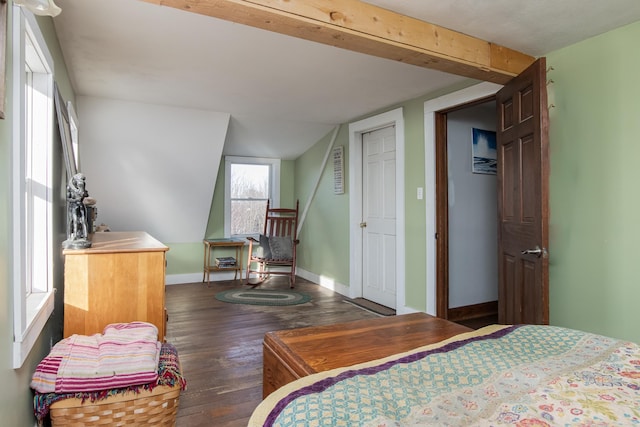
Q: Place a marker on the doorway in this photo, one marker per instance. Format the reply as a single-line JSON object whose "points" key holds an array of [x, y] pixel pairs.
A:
{"points": [[522, 145], [395, 119], [466, 212], [481, 91]]}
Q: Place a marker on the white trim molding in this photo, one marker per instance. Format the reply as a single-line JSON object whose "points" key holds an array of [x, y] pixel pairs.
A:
{"points": [[431, 107], [274, 190], [324, 281], [356, 129], [33, 295]]}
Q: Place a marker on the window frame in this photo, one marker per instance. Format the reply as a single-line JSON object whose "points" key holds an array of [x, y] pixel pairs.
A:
{"points": [[274, 186], [31, 310], [73, 127]]}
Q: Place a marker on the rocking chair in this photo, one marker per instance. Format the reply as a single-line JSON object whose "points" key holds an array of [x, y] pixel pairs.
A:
{"points": [[276, 252]]}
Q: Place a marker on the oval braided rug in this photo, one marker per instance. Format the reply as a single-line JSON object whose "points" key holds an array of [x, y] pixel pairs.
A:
{"points": [[263, 297]]}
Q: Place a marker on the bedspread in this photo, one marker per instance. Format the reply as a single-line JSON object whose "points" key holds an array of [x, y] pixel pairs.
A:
{"points": [[497, 376]]}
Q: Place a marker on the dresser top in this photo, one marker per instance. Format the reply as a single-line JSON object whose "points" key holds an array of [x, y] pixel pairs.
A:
{"points": [[119, 241]]}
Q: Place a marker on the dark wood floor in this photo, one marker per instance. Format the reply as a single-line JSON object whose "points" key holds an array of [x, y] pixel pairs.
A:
{"points": [[479, 322], [220, 345]]}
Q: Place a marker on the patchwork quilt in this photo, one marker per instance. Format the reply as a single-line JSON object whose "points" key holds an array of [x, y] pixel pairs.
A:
{"points": [[498, 376]]}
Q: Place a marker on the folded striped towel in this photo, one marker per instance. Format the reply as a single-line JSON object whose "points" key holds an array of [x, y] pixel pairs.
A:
{"points": [[124, 354]]}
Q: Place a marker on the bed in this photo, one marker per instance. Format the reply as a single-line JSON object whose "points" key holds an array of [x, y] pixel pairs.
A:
{"points": [[522, 375]]}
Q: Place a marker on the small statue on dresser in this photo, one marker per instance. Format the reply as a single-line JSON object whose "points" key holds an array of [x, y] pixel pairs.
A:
{"points": [[77, 218]]}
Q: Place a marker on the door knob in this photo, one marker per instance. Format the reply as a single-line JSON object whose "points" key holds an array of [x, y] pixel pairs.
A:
{"points": [[363, 224], [537, 251]]}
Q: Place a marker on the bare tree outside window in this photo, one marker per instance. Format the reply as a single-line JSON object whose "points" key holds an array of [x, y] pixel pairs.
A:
{"points": [[249, 194]]}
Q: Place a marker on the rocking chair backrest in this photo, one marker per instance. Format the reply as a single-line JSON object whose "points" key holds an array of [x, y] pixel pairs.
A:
{"points": [[279, 249], [281, 222]]}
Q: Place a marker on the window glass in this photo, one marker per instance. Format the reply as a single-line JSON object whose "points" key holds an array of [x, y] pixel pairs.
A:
{"points": [[250, 182], [249, 195], [32, 192]]}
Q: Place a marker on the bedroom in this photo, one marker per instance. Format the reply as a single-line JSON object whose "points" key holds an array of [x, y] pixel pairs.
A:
{"points": [[593, 271]]}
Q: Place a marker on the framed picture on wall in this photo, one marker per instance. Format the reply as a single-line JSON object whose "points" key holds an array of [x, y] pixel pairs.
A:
{"points": [[338, 170], [484, 156]]}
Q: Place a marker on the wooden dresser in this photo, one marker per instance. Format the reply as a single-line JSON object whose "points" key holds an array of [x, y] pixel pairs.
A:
{"points": [[296, 353], [121, 278]]}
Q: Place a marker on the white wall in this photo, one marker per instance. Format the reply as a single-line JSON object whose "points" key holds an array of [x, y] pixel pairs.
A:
{"points": [[151, 168], [473, 268]]}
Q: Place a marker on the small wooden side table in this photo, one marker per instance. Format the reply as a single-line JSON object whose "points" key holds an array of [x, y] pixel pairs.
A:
{"points": [[210, 244]]}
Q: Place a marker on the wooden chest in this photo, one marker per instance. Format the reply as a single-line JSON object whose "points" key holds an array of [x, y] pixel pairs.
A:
{"points": [[295, 353]]}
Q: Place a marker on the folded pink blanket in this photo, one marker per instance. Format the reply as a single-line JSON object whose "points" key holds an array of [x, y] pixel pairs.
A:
{"points": [[125, 354]]}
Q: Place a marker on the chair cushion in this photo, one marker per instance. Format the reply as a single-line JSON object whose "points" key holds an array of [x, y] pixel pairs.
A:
{"points": [[264, 250], [281, 247]]}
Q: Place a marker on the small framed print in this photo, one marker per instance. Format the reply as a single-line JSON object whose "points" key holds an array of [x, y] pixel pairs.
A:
{"points": [[338, 170], [484, 156]]}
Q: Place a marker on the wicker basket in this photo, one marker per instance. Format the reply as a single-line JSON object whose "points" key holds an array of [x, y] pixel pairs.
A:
{"points": [[154, 408]]}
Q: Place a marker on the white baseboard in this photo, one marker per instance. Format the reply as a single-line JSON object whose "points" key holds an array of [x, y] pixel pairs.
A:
{"points": [[406, 310], [341, 288], [176, 279], [324, 282]]}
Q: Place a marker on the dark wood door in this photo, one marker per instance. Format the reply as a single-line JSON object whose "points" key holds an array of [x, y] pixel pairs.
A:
{"points": [[523, 187]]}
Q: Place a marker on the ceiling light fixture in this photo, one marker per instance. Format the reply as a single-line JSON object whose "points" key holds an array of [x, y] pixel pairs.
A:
{"points": [[40, 7]]}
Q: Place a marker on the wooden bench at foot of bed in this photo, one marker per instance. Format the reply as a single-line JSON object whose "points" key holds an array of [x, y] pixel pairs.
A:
{"points": [[295, 353]]}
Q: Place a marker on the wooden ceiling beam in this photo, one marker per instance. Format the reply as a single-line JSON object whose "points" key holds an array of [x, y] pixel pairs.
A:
{"points": [[364, 28]]}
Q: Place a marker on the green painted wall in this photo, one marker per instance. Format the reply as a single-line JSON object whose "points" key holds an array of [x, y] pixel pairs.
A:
{"points": [[324, 237], [415, 210], [215, 227], [595, 231], [287, 184], [184, 258], [16, 405]]}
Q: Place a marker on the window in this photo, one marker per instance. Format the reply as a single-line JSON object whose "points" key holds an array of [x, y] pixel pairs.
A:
{"points": [[73, 126], [32, 177], [249, 183]]}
